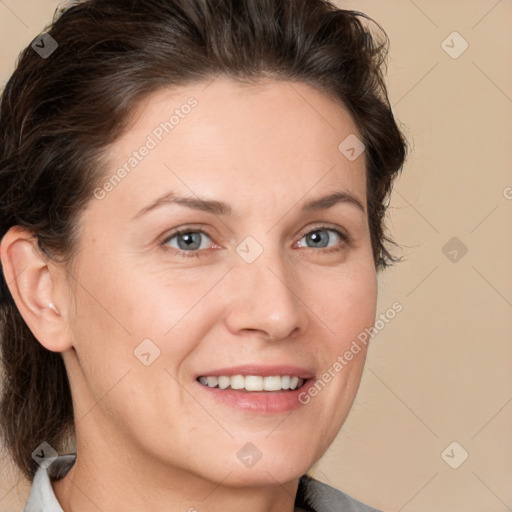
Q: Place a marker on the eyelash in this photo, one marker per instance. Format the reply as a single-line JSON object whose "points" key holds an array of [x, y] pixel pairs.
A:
{"points": [[197, 253]]}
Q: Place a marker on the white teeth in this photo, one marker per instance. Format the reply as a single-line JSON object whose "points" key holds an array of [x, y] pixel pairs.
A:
{"points": [[272, 383], [253, 382], [237, 382], [224, 382], [212, 381]]}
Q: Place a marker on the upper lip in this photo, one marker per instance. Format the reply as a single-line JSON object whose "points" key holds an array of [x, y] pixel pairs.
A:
{"points": [[264, 371]]}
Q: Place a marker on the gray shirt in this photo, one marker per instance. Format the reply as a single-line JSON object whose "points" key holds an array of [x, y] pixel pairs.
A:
{"points": [[312, 495]]}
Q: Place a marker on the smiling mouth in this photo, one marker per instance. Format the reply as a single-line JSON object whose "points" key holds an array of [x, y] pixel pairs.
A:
{"points": [[251, 383]]}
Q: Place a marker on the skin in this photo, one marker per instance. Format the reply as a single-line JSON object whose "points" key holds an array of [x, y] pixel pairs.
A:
{"points": [[147, 436]]}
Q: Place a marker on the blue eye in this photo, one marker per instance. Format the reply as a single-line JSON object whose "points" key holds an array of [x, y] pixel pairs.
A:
{"points": [[320, 237], [188, 242]]}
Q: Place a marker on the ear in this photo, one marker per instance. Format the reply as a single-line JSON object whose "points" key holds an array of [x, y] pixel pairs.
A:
{"points": [[33, 286]]}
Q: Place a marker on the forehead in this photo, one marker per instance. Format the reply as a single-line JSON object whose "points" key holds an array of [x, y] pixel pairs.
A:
{"points": [[214, 138]]}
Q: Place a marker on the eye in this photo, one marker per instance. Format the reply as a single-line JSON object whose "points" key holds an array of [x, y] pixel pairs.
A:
{"points": [[320, 237], [188, 242]]}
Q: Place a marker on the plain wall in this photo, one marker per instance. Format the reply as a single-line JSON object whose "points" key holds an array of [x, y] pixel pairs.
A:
{"points": [[440, 371]]}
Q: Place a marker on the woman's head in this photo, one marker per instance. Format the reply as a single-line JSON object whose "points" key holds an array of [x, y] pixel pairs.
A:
{"points": [[261, 105]]}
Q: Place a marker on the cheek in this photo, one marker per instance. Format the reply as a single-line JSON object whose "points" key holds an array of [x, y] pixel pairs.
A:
{"points": [[164, 297], [359, 302], [346, 303], [102, 339], [346, 306]]}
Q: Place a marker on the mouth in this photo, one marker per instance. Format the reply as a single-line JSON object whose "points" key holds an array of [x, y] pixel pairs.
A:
{"points": [[253, 383], [256, 388]]}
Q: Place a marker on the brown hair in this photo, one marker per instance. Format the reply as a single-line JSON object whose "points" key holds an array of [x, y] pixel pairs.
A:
{"points": [[59, 114]]}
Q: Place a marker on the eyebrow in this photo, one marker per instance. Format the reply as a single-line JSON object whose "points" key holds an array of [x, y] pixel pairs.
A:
{"points": [[220, 208]]}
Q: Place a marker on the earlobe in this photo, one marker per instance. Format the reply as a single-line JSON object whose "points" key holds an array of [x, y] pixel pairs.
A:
{"points": [[51, 305], [31, 284]]}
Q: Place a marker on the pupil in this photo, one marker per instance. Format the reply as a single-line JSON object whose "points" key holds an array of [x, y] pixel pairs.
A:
{"points": [[318, 237], [190, 239]]}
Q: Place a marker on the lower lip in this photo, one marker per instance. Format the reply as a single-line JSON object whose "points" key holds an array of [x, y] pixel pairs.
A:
{"points": [[261, 402]]}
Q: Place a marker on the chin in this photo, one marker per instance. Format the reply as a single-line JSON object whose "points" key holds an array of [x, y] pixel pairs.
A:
{"points": [[253, 468], [262, 476]]}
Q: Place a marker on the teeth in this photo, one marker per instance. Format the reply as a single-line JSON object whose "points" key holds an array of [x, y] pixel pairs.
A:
{"points": [[253, 382], [212, 381], [237, 382], [272, 383], [224, 382]]}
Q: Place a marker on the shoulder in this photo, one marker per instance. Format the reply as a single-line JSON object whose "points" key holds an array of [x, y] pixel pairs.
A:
{"points": [[315, 496]]}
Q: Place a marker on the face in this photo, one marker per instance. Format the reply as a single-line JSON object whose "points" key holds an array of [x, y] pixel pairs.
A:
{"points": [[263, 280]]}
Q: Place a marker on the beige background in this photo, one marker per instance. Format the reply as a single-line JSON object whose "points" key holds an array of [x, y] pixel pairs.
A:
{"points": [[440, 371]]}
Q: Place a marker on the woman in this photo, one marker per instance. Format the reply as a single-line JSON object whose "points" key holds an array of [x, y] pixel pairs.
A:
{"points": [[193, 199]]}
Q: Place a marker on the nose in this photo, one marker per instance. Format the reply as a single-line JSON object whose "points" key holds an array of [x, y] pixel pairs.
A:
{"points": [[265, 296]]}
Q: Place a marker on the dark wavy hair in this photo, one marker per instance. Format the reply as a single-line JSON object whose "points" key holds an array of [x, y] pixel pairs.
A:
{"points": [[59, 114]]}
